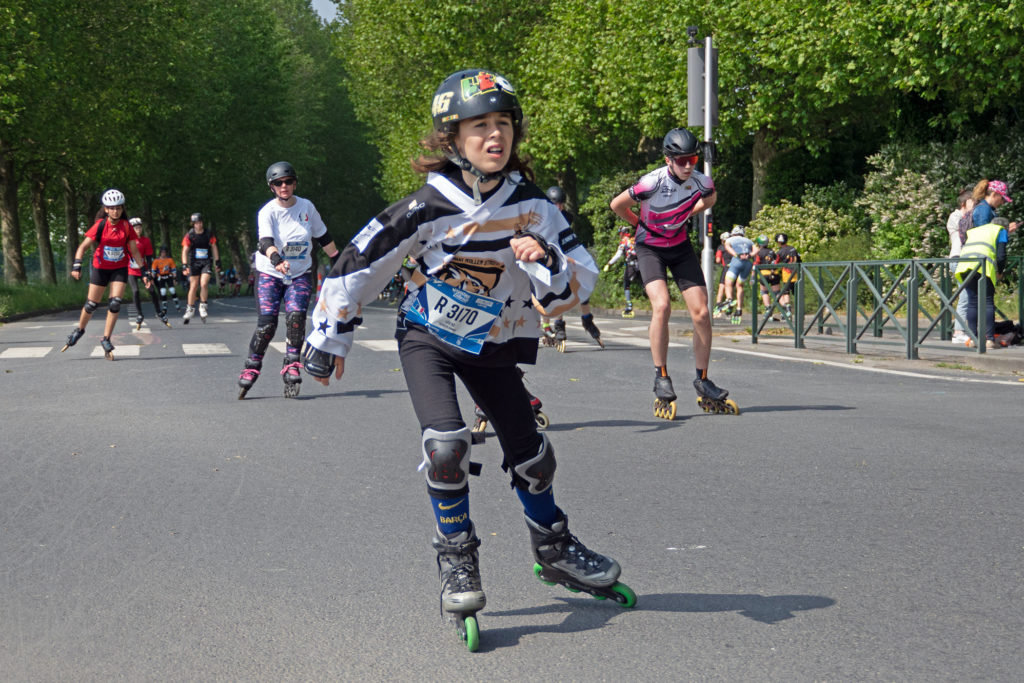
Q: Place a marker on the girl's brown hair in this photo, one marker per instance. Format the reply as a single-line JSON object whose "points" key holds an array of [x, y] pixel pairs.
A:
{"points": [[980, 190]]}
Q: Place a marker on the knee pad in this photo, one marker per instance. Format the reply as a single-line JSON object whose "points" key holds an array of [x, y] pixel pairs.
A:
{"points": [[163, 291], [446, 459], [114, 305], [90, 306], [536, 474], [266, 326], [295, 322]]}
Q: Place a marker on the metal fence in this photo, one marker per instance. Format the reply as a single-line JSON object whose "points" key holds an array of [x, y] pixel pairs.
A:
{"points": [[910, 299]]}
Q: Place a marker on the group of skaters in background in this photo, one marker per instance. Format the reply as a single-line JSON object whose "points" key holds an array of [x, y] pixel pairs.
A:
{"points": [[739, 256]]}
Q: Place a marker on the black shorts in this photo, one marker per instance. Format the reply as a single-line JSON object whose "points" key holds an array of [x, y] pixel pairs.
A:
{"points": [[655, 262], [197, 268], [102, 277]]}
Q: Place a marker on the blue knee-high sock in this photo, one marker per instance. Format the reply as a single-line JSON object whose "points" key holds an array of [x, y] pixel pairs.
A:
{"points": [[452, 513], [540, 507]]}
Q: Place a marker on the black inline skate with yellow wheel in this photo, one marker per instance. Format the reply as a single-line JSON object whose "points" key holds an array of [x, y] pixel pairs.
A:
{"points": [[108, 348], [664, 397], [712, 399], [560, 338]]}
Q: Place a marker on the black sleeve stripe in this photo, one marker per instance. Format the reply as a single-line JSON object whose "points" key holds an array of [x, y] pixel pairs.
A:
{"points": [[568, 240], [352, 324]]}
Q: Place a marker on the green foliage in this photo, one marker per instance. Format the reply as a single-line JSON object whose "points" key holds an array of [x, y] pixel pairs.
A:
{"points": [[39, 298], [812, 229]]}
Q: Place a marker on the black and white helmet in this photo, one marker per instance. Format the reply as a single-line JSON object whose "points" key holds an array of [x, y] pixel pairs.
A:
{"points": [[781, 238], [473, 92], [738, 230], [680, 142], [135, 221], [113, 197], [196, 217]]}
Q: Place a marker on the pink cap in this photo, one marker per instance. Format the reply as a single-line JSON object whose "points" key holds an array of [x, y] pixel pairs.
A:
{"points": [[1000, 187]]}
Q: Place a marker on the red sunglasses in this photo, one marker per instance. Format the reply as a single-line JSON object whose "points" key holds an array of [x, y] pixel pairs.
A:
{"points": [[690, 160]]}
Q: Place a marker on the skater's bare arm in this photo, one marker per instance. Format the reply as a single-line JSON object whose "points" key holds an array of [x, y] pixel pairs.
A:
{"points": [[83, 246], [622, 206]]}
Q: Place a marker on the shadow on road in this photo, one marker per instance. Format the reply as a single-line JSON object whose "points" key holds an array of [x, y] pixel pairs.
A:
{"points": [[586, 614]]}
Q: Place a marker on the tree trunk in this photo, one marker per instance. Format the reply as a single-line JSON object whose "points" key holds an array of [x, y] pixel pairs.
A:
{"points": [[47, 273], [10, 225], [70, 223], [165, 234], [760, 159]]}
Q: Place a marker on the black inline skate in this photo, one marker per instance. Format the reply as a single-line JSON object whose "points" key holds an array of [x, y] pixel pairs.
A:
{"points": [[591, 328], [712, 399], [138, 322], [108, 348], [562, 559], [250, 373], [548, 336], [480, 421], [163, 318], [73, 338], [627, 312], [664, 397], [560, 337], [292, 374], [737, 317], [462, 594]]}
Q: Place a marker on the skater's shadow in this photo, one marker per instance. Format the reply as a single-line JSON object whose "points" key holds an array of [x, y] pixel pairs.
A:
{"points": [[586, 614], [361, 393], [787, 409], [651, 425]]}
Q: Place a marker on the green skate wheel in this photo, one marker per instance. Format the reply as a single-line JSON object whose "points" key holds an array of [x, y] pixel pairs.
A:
{"points": [[624, 595], [472, 634], [537, 569]]}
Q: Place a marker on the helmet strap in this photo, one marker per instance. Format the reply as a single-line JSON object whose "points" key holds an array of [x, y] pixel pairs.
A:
{"points": [[481, 177]]}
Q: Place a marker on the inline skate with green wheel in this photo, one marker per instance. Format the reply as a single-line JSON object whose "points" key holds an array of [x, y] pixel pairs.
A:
{"points": [[561, 558], [462, 594]]}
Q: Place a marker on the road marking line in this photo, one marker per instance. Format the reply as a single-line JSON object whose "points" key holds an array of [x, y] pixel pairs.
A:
{"points": [[119, 350], [205, 349], [25, 352], [379, 344]]}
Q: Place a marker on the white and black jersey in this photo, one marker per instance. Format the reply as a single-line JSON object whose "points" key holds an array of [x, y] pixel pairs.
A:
{"points": [[467, 247]]}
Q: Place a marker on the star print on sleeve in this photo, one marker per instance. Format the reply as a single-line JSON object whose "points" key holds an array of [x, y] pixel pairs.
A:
{"points": [[322, 327], [527, 303]]}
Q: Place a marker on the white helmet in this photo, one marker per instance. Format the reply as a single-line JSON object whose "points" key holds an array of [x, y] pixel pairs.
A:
{"points": [[724, 236], [738, 230], [135, 221], [113, 198]]}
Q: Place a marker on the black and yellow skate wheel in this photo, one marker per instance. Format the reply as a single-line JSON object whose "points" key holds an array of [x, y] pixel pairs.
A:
{"points": [[731, 408], [542, 420], [480, 425], [664, 409], [560, 345]]}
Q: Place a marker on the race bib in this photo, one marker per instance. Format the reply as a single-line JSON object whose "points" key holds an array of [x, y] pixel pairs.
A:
{"points": [[296, 251], [113, 253], [201, 254], [454, 316]]}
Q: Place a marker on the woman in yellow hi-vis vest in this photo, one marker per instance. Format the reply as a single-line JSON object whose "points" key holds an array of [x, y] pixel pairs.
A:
{"points": [[989, 242]]}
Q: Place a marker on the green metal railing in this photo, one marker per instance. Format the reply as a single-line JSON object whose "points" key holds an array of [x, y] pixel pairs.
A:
{"points": [[913, 298]]}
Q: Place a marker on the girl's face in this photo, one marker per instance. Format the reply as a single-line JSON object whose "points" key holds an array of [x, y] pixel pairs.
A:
{"points": [[113, 212], [284, 188], [486, 141], [995, 200]]}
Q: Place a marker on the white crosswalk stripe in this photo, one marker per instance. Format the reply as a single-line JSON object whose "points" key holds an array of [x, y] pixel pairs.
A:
{"points": [[121, 350], [379, 344], [25, 352], [205, 349]]}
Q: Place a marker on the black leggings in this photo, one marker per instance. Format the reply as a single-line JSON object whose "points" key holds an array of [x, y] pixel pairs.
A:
{"points": [[133, 282], [430, 375]]}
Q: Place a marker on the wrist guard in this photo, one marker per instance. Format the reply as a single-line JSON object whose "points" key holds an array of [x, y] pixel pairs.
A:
{"points": [[318, 363]]}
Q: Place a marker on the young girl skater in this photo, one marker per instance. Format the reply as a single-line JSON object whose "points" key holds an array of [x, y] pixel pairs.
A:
{"points": [[487, 244]]}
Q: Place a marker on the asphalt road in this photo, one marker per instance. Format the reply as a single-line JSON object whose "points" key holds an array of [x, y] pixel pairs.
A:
{"points": [[849, 525]]}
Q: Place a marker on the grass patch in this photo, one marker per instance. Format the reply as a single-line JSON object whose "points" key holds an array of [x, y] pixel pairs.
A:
{"points": [[956, 366], [36, 297]]}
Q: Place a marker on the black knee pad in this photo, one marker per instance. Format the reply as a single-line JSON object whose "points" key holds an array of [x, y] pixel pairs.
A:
{"points": [[295, 326], [446, 459], [114, 305], [90, 306], [266, 326], [536, 474]]}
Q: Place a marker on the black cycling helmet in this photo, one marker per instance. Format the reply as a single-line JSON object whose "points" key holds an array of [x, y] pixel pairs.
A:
{"points": [[556, 194], [781, 238], [280, 169], [473, 92], [680, 142]]}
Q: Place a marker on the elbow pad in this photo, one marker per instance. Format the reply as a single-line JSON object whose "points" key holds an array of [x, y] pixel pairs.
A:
{"points": [[324, 239], [264, 244]]}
